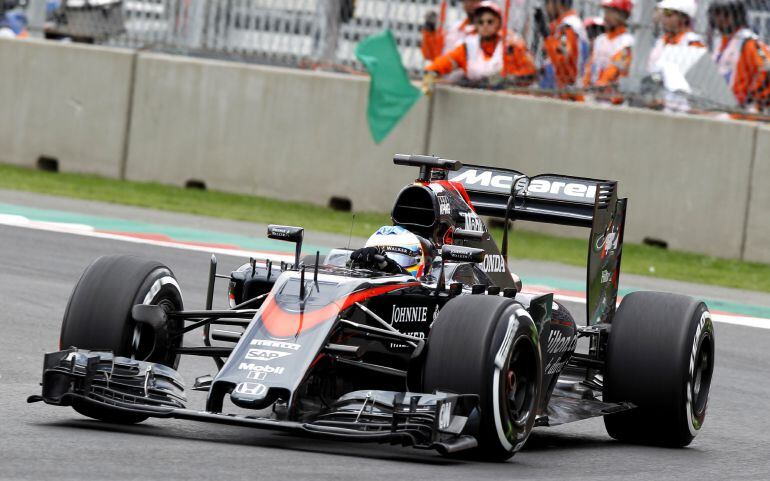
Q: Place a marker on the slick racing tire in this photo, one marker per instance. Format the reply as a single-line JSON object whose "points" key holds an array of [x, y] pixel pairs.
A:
{"points": [[98, 316], [660, 357], [487, 345]]}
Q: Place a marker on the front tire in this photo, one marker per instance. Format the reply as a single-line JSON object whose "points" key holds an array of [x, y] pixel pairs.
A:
{"points": [[98, 317], [660, 357], [487, 345]]}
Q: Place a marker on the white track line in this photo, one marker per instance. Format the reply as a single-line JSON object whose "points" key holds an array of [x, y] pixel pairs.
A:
{"points": [[89, 231], [726, 318]]}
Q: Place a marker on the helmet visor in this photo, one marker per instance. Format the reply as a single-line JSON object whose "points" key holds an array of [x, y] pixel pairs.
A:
{"points": [[404, 260]]}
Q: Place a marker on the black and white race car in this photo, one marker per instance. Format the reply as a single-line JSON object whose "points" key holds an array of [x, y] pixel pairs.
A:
{"points": [[457, 360]]}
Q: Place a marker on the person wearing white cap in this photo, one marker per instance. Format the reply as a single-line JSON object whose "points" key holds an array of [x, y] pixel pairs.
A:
{"points": [[676, 18]]}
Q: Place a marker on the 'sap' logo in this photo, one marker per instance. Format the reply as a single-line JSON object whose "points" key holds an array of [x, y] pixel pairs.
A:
{"points": [[265, 354]]}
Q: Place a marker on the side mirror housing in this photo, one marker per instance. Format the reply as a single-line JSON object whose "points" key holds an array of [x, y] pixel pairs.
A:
{"points": [[289, 234], [469, 235], [462, 254]]}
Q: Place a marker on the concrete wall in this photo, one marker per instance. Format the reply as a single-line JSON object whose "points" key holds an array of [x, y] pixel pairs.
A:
{"points": [[758, 218], [273, 132], [685, 176], [299, 135], [68, 102]]}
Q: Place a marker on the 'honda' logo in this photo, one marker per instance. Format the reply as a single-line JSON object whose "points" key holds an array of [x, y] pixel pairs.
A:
{"points": [[493, 263], [251, 389]]}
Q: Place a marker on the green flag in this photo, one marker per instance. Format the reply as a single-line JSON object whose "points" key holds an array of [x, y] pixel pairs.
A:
{"points": [[391, 94]]}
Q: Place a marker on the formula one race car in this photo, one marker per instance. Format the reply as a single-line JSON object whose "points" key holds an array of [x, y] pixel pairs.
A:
{"points": [[459, 359]]}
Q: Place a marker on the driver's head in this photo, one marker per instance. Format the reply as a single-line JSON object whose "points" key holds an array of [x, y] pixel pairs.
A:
{"points": [[407, 249]]}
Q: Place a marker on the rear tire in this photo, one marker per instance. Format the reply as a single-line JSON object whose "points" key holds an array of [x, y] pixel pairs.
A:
{"points": [[660, 357], [487, 345], [98, 317]]}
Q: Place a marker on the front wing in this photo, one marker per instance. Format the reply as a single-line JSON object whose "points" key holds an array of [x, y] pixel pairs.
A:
{"points": [[425, 421]]}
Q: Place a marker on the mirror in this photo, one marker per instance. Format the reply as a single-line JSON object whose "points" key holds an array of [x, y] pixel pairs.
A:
{"points": [[462, 254], [289, 234], [285, 233], [471, 235]]}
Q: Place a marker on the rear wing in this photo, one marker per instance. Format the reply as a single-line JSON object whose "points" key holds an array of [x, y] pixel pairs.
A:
{"points": [[564, 200], [555, 199], [552, 199]]}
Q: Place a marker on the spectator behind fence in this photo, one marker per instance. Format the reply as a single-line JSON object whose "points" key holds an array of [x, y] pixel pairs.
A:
{"points": [[565, 43], [485, 56], [13, 21], [739, 54], [611, 55], [437, 40], [594, 27], [675, 18]]}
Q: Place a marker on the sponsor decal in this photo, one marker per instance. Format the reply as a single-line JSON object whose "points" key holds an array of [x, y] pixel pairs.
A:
{"points": [[445, 415], [493, 263], [250, 366], [400, 250], [281, 232], [554, 366], [609, 242], [443, 205], [485, 178], [265, 354], [559, 343], [417, 334], [251, 389], [568, 189], [409, 314], [606, 276], [460, 255], [278, 344], [473, 222], [257, 376]]}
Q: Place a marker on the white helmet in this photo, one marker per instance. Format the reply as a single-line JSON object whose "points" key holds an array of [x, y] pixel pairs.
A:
{"points": [[687, 7], [403, 247]]}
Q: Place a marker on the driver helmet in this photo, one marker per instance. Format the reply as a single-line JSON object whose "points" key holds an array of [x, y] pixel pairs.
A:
{"points": [[402, 246]]}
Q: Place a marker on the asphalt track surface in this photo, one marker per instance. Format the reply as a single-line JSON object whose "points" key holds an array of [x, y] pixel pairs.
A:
{"points": [[38, 270]]}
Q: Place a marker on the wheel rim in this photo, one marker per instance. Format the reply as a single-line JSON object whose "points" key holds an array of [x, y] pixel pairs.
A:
{"points": [[519, 384], [704, 368]]}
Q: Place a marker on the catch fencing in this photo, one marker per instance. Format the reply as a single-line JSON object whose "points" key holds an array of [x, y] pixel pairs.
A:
{"points": [[324, 33], [280, 32]]}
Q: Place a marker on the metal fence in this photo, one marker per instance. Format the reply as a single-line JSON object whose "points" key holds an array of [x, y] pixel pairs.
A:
{"points": [[324, 33]]}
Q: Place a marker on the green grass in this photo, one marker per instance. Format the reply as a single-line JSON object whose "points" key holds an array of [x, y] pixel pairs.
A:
{"points": [[637, 259]]}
